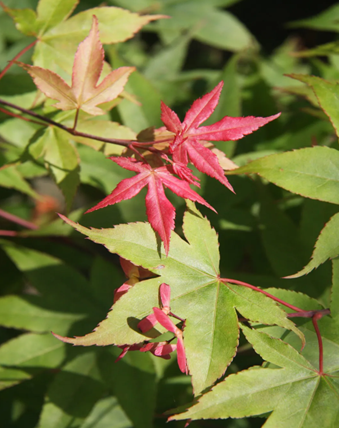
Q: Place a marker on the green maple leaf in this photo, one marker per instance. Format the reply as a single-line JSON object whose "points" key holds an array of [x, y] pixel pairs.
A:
{"points": [[297, 394], [192, 271]]}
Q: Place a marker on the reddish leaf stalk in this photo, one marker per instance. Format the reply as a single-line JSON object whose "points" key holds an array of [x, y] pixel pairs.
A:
{"points": [[135, 151], [75, 120], [11, 62], [245, 284], [13, 218], [315, 319]]}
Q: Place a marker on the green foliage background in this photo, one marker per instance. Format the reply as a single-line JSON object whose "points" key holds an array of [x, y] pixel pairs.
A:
{"points": [[53, 279]]}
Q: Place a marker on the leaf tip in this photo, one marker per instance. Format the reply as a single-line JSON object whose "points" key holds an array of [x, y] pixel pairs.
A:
{"points": [[64, 339]]}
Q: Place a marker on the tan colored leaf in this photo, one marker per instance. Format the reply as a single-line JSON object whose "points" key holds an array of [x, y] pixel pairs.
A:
{"points": [[85, 93]]}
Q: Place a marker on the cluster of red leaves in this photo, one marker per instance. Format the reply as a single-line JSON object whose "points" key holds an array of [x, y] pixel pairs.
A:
{"points": [[186, 143]]}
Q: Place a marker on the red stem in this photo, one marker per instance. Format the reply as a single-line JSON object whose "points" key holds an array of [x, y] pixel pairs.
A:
{"points": [[11, 62], [245, 284], [315, 319], [13, 218]]}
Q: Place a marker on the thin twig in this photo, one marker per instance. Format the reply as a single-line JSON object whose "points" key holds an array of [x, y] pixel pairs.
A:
{"points": [[120, 142]]}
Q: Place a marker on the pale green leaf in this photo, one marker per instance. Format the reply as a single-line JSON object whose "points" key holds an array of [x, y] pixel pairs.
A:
{"points": [[326, 247], [310, 172], [191, 269], [295, 393]]}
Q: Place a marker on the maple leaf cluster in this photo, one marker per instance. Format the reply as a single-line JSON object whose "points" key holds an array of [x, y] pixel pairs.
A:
{"points": [[158, 162]]}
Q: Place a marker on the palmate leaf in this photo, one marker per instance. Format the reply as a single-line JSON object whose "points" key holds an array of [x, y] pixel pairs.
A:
{"points": [[296, 393], [85, 93], [189, 136], [197, 295], [160, 211]]}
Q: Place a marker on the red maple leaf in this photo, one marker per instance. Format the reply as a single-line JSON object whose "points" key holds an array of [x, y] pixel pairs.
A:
{"points": [[159, 210], [189, 135]]}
